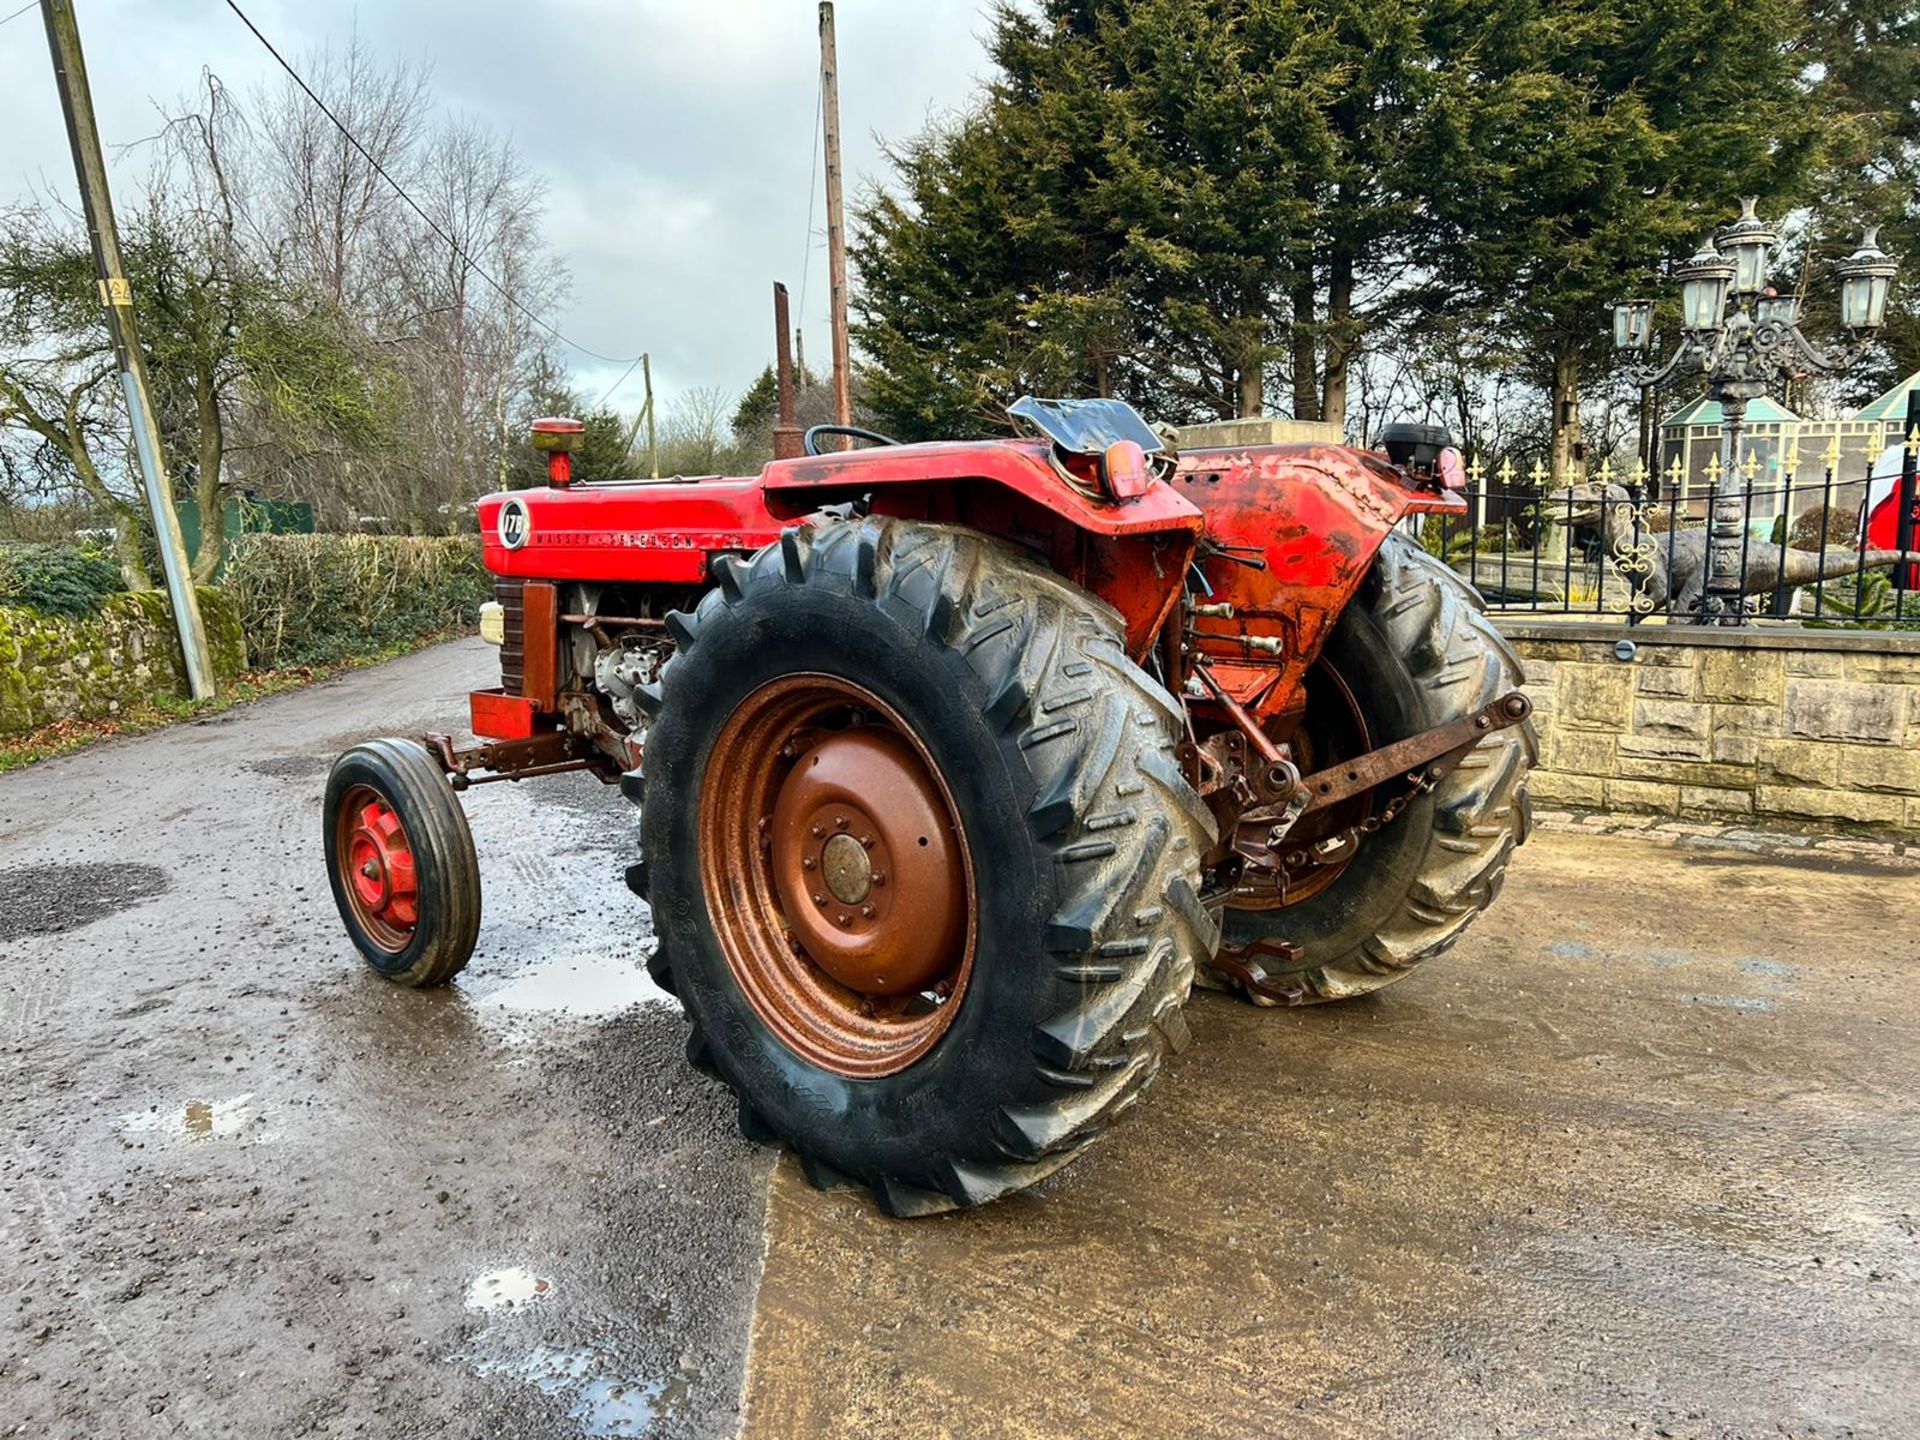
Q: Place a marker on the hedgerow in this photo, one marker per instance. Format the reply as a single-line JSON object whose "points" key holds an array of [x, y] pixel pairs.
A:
{"points": [[70, 580], [313, 599]]}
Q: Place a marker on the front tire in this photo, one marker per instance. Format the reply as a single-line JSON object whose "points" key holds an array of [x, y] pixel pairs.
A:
{"points": [[401, 863], [1414, 650], [850, 677]]}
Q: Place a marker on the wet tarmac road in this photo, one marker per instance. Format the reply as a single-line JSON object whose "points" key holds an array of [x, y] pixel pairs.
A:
{"points": [[248, 1188], [1640, 1157]]}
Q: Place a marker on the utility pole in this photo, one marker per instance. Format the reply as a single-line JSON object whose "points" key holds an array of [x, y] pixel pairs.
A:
{"points": [[116, 299], [836, 224], [653, 446]]}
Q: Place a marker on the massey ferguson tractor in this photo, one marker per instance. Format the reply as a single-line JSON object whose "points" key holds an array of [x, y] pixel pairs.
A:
{"points": [[959, 764]]}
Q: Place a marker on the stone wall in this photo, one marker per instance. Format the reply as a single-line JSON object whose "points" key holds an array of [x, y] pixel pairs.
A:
{"points": [[1812, 726], [55, 668]]}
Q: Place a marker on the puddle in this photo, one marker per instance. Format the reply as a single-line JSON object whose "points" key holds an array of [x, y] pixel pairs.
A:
{"points": [[239, 1118], [601, 1396], [1776, 969], [604, 1402], [585, 986], [1570, 950], [1752, 1004], [508, 1289], [47, 899]]}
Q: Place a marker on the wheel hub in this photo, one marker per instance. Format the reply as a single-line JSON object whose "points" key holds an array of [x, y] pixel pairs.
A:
{"points": [[848, 872], [381, 872], [864, 863], [837, 874]]}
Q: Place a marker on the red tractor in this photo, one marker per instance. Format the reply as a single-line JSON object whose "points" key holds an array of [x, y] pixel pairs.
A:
{"points": [[959, 764]]}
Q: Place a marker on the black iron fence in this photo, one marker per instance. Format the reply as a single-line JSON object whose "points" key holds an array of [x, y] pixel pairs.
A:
{"points": [[1633, 546]]}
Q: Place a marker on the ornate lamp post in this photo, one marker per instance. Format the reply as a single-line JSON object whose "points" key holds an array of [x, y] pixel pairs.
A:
{"points": [[1744, 339]]}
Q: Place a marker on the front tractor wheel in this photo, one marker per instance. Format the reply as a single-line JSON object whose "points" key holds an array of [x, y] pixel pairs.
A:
{"points": [[923, 868], [401, 863]]}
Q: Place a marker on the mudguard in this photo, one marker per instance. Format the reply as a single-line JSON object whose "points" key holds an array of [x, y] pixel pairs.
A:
{"points": [[1314, 516]]}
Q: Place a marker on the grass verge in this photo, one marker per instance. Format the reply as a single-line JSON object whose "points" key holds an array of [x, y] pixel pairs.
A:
{"points": [[63, 737]]}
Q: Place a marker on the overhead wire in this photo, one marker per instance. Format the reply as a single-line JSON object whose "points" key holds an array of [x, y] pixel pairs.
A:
{"points": [[813, 178], [417, 209]]}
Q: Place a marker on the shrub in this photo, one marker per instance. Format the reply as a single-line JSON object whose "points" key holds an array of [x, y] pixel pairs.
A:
{"points": [[310, 599], [71, 580]]}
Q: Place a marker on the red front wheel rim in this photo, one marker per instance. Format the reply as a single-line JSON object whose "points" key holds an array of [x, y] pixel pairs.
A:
{"points": [[379, 876]]}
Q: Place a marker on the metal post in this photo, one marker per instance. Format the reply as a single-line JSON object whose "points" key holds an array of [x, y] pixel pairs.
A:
{"points": [[116, 299], [1907, 516], [1724, 599], [836, 225], [786, 430]]}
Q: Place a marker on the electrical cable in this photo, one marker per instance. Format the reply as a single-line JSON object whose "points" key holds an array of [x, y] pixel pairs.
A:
{"points": [[813, 177], [415, 206]]}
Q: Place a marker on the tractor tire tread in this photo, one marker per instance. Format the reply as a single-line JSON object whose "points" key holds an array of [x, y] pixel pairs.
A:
{"points": [[1096, 735]]}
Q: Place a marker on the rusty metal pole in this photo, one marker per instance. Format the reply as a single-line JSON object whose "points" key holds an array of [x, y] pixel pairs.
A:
{"points": [[836, 224], [786, 430], [116, 300]]}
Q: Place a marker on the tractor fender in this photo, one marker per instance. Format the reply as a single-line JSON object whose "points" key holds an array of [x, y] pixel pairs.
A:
{"points": [[1316, 515], [1019, 466]]}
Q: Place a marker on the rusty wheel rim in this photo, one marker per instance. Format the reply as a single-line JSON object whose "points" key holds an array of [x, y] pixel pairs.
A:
{"points": [[1332, 727], [837, 875], [377, 863]]}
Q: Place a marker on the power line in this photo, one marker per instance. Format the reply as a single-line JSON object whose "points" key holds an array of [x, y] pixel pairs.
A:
{"points": [[413, 204], [813, 177], [30, 5], [607, 393]]}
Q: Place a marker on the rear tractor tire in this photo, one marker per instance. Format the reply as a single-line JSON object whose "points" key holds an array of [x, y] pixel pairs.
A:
{"points": [[401, 863], [1414, 650], [922, 865]]}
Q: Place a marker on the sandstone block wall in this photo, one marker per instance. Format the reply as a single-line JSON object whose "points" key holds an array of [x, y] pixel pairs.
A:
{"points": [[1816, 727]]}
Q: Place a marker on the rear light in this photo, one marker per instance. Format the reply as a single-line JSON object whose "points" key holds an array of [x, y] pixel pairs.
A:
{"points": [[1125, 467], [1451, 470], [493, 622]]}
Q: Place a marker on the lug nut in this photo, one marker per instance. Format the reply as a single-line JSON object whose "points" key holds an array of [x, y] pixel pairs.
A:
{"points": [[867, 910], [818, 831], [806, 862], [842, 918], [866, 842], [370, 870], [820, 900], [839, 822], [879, 877]]}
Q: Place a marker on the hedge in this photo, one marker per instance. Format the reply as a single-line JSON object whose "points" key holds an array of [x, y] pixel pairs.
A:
{"points": [[69, 580], [310, 599]]}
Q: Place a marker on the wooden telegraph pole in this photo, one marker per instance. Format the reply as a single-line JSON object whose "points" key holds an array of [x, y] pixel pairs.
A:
{"points": [[116, 299], [653, 438], [836, 225]]}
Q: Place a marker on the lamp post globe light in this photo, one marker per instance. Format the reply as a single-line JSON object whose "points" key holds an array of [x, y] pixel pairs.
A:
{"points": [[1744, 339]]}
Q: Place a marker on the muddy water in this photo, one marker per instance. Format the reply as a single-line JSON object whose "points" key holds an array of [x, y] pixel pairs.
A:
{"points": [[1638, 1157], [250, 1189]]}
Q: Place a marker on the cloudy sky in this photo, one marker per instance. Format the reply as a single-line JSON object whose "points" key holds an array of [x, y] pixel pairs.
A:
{"points": [[676, 136]]}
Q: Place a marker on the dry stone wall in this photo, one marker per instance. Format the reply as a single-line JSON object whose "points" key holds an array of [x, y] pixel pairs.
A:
{"points": [[56, 668]]}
